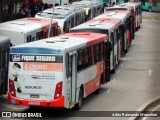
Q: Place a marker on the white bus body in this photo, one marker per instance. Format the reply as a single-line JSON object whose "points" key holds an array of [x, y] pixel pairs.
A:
{"points": [[137, 12], [122, 16], [27, 29], [105, 27]]}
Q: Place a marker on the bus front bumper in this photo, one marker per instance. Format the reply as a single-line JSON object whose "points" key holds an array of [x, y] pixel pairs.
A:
{"points": [[29, 102]]}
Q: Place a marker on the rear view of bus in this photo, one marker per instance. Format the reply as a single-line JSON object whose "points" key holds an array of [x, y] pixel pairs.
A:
{"points": [[35, 75], [59, 71]]}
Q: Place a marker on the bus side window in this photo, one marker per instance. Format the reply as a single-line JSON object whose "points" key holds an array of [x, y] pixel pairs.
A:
{"points": [[52, 32], [86, 62], [33, 38], [66, 26], [80, 60], [29, 38], [39, 35], [100, 51], [89, 56], [95, 53], [72, 23]]}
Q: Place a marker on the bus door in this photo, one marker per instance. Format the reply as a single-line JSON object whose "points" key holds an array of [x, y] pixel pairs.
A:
{"points": [[140, 15], [112, 61], [72, 76], [128, 26], [126, 37], [115, 48], [122, 36], [118, 44], [136, 10], [131, 24], [107, 53], [140, 9], [135, 20]]}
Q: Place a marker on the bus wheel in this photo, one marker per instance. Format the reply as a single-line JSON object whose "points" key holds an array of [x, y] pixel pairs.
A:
{"points": [[150, 9], [113, 70], [126, 51], [80, 99]]}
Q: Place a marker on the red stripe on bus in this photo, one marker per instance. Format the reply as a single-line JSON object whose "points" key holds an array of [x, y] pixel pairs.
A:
{"points": [[27, 102]]}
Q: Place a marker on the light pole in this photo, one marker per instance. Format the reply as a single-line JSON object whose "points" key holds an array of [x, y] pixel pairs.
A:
{"points": [[92, 11], [49, 32]]}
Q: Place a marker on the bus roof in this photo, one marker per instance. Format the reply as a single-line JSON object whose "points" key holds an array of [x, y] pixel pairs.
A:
{"points": [[120, 7], [134, 4], [70, 7], [128, 13], [89, 5], [4, 40], [113, 14], [101, 24], [26, 24], [65, 42], [58, 13]]}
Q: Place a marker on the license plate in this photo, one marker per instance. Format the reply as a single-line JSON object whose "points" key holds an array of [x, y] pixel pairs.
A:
{"points": [[34, 96]]}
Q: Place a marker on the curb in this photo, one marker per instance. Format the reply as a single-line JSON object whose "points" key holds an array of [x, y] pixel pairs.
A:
{"points": [[146, 106]]}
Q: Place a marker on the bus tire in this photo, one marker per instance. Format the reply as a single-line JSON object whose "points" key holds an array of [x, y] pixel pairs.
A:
{"points": [[150, 9], [113, 70], [80, 99], [126, 51]]}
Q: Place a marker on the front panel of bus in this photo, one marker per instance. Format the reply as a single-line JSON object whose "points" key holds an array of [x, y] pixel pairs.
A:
{"points": [[36, 77]]}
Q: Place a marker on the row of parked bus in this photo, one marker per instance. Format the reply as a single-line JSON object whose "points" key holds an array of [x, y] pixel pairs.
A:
{"points": [[60, 71]]}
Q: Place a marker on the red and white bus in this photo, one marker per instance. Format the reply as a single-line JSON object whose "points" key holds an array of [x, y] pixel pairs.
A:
{"points": [[27, 30], [132, 18], [124, 16], [58, 71], [111, 27], [137, 12]]}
